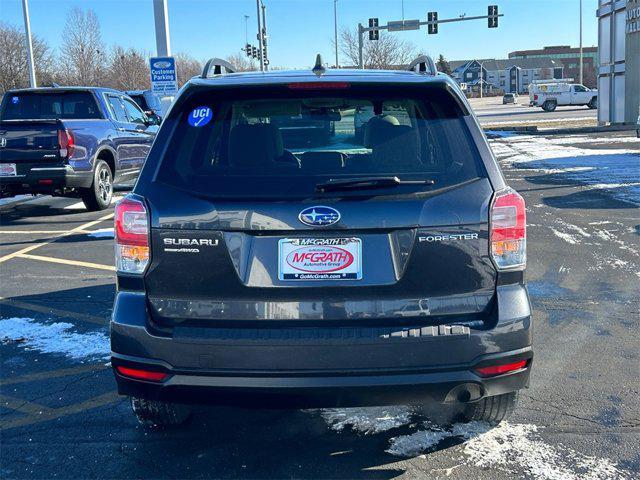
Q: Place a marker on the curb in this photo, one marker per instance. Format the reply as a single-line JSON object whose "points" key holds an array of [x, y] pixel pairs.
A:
{"points": [[534, 130]]}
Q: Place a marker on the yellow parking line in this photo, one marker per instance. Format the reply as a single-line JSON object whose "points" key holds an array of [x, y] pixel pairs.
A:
{"points": [[63, 372], [33, 232], [67, 262], [53, 413], [85, 317], [53, 239], [23, 406]]}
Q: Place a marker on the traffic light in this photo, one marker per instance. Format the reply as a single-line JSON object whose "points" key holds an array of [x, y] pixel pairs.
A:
{"points": [[254, 52], [432, 28], [247, 49], [374, 34], [493, 16]]}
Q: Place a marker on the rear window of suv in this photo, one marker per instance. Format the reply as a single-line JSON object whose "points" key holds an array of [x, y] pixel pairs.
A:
{"points": [[281, 142], [54, 105]]}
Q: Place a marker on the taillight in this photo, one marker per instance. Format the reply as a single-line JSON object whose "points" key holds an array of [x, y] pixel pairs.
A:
{"points": [[508, 231], [66, 142], [494, 370], [535, 96], [132, 236], [141, 374]]}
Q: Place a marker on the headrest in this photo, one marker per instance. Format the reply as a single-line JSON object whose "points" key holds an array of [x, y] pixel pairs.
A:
{"points": [[256, 145], [380, 129]]}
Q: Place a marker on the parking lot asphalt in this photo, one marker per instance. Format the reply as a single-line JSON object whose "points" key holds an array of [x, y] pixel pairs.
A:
{"points": [[61, 418]]}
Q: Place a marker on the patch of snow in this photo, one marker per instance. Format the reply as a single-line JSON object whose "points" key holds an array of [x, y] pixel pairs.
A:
{"points": [[418, 442], [512, 448], [567, 237], [102, 233], [367, 420], [616, 171], [54, 338]]}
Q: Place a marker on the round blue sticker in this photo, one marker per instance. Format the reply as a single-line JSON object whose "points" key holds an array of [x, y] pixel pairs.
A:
{"points": [[200, 116]]}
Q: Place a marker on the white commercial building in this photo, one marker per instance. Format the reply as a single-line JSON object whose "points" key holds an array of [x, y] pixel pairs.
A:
{"points": [[619, 72]]}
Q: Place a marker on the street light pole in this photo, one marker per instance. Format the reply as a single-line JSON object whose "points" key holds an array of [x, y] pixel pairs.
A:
{"points": [[335, 28], [581, 62], [29, 44], [161, 20], [259, 35], [265, 56]]}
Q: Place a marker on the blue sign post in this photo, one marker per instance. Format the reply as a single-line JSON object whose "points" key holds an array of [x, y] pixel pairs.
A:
{"points": [[164, 78]]}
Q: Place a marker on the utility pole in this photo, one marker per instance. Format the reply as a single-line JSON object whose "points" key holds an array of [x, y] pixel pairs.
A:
{"points": [[335, 29], [29, 44], [581, 62], [161, 18]]}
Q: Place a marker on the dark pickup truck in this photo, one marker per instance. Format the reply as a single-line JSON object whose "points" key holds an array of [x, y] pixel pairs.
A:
{"points": [[71, 141]]}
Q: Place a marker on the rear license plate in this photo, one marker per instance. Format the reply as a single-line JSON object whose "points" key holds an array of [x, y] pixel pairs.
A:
{"points": [[320, 259], [8, 170]]}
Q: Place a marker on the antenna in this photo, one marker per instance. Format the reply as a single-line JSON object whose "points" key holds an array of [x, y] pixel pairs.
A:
{"points": [[318, 68]]}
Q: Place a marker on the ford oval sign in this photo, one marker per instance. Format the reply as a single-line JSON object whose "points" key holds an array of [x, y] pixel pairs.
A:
{"points": [[161, 64], [319, 216]]}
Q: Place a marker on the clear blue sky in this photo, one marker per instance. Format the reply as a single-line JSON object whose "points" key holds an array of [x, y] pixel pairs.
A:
{"points": [[301, 28]]}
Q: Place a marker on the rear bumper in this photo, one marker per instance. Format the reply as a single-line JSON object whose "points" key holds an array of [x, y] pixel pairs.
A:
{"points": [[294, 369], [45, 179]]}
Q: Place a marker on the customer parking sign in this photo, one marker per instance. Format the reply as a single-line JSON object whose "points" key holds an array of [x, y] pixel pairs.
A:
{"points": [[164, 78]]}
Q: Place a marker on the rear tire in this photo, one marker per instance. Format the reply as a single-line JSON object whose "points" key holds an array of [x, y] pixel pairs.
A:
{"points": [[593, 104], [492, 410], [549, 106], [98, 195], [154, 413]]}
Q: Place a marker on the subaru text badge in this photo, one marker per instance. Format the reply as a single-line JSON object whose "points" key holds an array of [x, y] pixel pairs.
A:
{"points": [[319, 216]]}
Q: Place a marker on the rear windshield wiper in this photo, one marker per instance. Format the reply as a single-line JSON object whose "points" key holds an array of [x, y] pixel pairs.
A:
{"points": [[364, 183]]}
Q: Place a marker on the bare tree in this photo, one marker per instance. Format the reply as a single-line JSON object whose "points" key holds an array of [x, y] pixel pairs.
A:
{"points": [[187, 67], [14, 70], [128, 70], [241, 63], [389, 52], [82, 52]]}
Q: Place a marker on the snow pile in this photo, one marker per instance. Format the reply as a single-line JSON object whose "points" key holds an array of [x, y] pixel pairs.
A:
{"points": [[55, 338], [367, 420], [512, 448], [614, 170]]}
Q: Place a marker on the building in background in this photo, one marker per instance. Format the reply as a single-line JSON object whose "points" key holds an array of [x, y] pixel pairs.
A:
{"points": [[570, 59], [511, 75], [619, 71]]}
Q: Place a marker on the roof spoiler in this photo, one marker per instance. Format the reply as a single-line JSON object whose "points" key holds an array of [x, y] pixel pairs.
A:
{"points": [[423, 64], [216, 66]]}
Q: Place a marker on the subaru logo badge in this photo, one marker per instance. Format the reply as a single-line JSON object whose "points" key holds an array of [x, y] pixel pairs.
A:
{"points": [[319, 216]]}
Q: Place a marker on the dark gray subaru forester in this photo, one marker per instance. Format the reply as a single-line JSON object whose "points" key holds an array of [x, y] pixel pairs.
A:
{"points": [[268, 256]]}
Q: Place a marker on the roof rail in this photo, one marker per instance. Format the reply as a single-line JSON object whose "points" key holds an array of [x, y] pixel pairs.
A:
{"points": [[215, 66], [423, 64]]}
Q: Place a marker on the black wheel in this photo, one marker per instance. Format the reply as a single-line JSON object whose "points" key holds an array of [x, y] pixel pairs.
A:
{"points": [[549, 106], [492, 409], [154, 413], [98, 195], [593, 104]]}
